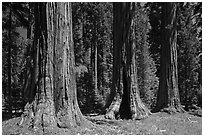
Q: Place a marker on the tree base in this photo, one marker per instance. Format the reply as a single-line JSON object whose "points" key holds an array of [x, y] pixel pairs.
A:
{"points": [[142, 114], [173, 110], [118, 111], [38, 117], [169, 109], [43, 119]]}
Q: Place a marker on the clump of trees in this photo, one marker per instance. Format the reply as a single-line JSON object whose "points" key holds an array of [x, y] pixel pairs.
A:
{"points": [[62, 60], [93, 45]]}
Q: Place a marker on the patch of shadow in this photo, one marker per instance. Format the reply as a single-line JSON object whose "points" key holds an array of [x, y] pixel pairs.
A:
{"points": [[7, 116]]}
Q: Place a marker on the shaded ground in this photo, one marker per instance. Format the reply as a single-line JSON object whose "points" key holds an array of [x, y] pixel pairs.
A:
{"points": [[156, 124]]}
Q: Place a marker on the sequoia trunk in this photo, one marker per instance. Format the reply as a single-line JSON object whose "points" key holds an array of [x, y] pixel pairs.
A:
{"points": [[53, 86], [168, 95], [125, 100]]}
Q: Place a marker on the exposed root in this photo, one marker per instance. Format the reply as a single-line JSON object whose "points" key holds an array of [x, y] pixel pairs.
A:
{"points": [[110, 115], [172, 110], [27, 114], [142, 113]]}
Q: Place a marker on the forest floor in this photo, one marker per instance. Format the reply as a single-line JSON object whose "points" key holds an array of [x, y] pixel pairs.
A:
{"points": [[156, 124]]}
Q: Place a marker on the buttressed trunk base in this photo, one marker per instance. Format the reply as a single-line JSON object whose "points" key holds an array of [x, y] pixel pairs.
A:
{"points": [[126, 102], [168, 99], [53, 87]]}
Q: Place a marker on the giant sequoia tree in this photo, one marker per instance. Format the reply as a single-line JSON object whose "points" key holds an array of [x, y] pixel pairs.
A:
{"points": [[125, 99], [168, 95], [51, 90]]}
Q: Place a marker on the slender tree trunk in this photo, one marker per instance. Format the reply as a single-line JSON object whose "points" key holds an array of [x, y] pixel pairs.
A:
{"points": [[126, 102], [168, 95], [186, 88], [29, 21], [53, 84], [9, 61], [95, 65], [103, 76], [186, 82]]}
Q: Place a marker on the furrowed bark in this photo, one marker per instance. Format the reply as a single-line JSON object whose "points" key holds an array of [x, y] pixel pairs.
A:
{"points": [[126, 102], [53, 86], [168, 95]]}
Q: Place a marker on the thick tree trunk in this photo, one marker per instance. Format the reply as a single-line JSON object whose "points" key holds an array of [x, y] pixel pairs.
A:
{"points": [[126, 102], [65, 97], [168, 95], [53, 83]]}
